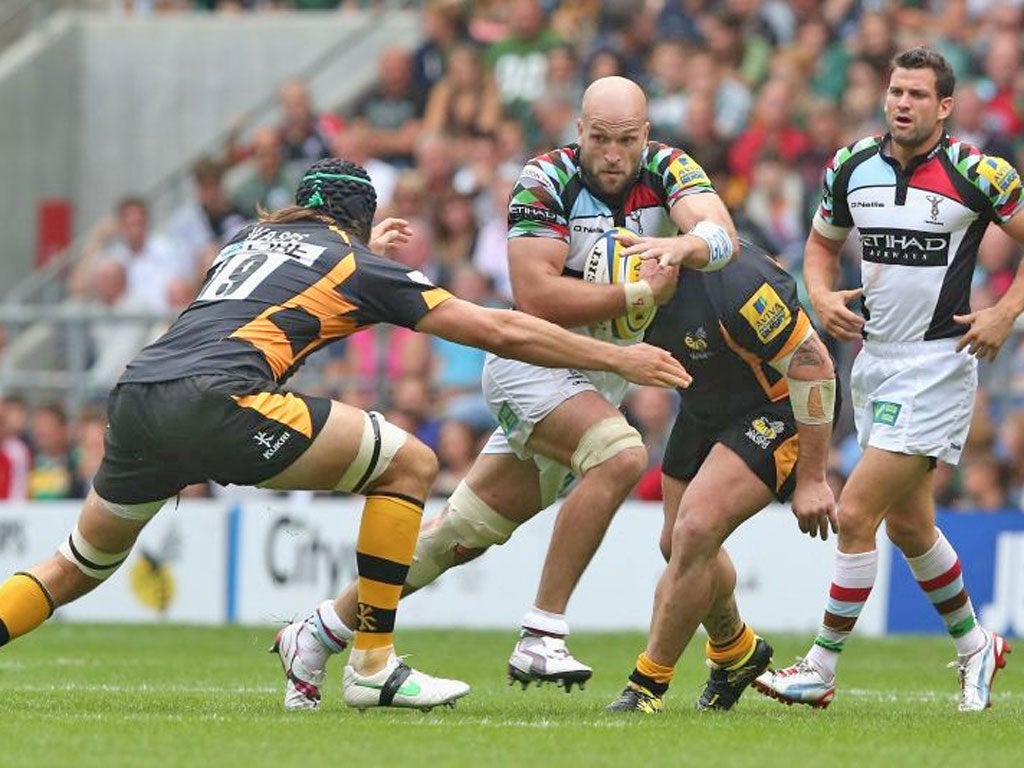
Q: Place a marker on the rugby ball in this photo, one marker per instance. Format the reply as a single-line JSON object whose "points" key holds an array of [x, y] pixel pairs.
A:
{"points": [[605, 263]]}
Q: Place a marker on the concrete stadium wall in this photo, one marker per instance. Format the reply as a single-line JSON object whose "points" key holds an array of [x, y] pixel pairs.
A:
{"points": [[103, 105], [39, 108]]}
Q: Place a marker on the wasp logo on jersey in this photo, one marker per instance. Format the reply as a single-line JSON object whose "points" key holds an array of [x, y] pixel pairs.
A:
{"points": [[766, 313], [696, 342]]}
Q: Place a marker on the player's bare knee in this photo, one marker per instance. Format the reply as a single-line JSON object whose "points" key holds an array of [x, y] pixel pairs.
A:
{"points": [[909, 535], [854, 524], [696, 537], [628, 466]]}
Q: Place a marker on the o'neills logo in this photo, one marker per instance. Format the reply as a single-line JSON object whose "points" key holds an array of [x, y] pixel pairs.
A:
{"points": [[905, 247]]}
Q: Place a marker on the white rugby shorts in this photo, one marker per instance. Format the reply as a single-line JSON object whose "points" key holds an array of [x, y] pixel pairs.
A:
{"points": [[914, 398]]}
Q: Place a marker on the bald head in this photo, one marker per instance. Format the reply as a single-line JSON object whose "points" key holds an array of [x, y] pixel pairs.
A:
{"points": [[613, 132], [615, 98]]}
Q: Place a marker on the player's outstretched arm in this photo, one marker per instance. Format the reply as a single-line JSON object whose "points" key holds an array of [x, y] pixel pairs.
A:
{"points": [[517, 335]]}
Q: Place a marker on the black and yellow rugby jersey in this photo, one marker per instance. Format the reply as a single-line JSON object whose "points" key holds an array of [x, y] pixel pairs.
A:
{"points": [[275, 294], [726, 327]]}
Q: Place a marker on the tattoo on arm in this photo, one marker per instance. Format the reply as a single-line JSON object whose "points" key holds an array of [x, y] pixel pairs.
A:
{"points": [[808, 354]]}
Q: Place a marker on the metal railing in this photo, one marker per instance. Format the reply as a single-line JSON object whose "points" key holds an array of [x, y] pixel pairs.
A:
{"points": [[49, 349]]}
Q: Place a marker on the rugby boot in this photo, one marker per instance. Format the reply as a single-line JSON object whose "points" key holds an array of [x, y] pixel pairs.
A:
{"points": [[726, 684]]}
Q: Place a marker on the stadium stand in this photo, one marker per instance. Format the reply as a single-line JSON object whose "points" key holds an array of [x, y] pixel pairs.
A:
{"points": [[760, 92]]}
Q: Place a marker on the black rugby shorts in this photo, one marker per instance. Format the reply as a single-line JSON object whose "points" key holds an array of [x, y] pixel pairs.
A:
{"points": [[163, 436], [764, 438]]}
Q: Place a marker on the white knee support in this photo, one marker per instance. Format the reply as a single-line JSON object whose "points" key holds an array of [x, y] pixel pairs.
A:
{"points": [[140, 513], [89, 560], [467, 524], [602, 441], [379, 443]]}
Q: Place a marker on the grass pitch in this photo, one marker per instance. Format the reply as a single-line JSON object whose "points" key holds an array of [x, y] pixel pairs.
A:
{"points": [[115, 695]]}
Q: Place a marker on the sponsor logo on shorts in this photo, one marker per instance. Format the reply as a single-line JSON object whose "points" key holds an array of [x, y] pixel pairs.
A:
{"points": [[270, 442], [507, 419], [764, 430], [884, 412], [766, 313]]}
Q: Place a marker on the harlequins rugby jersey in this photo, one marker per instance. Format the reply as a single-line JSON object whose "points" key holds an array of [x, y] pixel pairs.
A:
{"points": [[919, 229]]}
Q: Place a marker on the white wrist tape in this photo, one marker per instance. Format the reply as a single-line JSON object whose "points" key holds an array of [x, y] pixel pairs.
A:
{"points": [[639, 295], [718, 241], [813, 402]]}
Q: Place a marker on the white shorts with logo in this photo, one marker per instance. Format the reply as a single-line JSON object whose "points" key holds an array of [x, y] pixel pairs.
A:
{"points": [[520, 395], [914, 398]]}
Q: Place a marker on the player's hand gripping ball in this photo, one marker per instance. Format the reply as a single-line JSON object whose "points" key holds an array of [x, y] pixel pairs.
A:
{"points": [[606, 264]]}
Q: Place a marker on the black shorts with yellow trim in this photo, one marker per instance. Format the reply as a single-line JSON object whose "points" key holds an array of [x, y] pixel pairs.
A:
{"points": [[164, 436], [765, 438]]}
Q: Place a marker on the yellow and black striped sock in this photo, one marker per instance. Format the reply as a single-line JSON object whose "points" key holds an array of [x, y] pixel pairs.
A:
{"points": [[387, 540], [24, 605], [733, 650], [651, 675]]}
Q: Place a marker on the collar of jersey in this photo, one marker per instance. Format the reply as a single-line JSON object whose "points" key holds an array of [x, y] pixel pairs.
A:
{"points": [[916, 160]]}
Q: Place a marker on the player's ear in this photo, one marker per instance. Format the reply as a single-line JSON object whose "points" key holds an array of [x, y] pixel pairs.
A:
{"points": [[945, 107], [579, 130], [646, 131]]}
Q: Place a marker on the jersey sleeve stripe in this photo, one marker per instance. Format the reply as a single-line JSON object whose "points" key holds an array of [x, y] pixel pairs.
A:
{"points": [[831, 231], [797, 335], [435, 297]]}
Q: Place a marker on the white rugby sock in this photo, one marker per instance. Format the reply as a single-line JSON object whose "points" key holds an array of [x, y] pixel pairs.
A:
{"points": [[329, 629], [538, 622]]}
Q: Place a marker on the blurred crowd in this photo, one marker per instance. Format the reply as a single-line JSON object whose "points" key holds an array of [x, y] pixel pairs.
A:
{"points": [[760, 92]]}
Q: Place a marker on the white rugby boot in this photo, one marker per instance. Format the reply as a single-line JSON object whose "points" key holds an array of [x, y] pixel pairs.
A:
{"points": [[801, 683], [978, 670], [399, 685], [543, 659], [304, 659]]}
